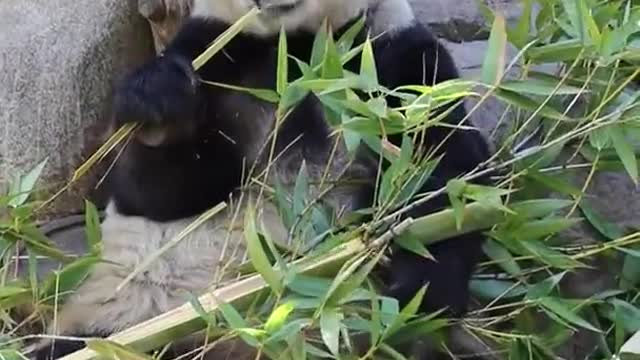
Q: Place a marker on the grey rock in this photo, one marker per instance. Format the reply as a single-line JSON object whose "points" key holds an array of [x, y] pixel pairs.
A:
{"points": [[462, 20], [58, 60]]}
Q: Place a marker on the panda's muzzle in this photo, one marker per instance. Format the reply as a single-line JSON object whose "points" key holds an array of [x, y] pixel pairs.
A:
{"points": [[278, 6]]}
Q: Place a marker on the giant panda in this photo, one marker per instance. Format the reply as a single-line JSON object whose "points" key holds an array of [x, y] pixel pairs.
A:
{"points": [[197, 142]]}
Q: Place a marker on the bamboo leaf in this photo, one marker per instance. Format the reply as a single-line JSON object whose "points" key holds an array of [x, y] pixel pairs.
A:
{"points": [[25, 185], [607, 229], [278, 317], [262, 94], [283, 62], [625, 151], [541, 87], [544, 288], [566, 313], [258, 256], [631, 349], [221, 41], [92, 227], [60, 283], [368, 70], [330, 324], [112, 350], [495, 59]]}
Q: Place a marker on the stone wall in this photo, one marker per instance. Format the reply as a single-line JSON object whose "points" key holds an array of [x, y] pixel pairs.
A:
{"points": [[58, 60]]}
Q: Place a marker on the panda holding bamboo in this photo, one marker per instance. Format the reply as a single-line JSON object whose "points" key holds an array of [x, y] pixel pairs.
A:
{"points": [[198, 141]]}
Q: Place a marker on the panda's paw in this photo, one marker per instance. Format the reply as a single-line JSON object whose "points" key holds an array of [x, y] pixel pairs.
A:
{"points": [[161, 92], [447, 281]]}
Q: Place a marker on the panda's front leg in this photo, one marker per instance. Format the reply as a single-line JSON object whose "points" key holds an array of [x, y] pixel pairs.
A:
{"points": [[166, 91], [413, 56]]}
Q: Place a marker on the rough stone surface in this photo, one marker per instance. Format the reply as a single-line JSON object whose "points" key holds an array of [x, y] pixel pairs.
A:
{"points": [[57, 63], [462, 20]]}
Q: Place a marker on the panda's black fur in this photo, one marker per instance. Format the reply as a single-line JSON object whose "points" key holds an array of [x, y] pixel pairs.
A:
{"points": [[199, 140]]}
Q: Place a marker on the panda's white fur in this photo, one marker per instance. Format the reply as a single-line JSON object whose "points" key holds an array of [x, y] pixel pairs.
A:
{"points": [[195, 263], [309, 15]]}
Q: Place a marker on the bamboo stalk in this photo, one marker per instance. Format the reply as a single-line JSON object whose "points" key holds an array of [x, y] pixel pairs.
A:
{"points": [[184, 320]]}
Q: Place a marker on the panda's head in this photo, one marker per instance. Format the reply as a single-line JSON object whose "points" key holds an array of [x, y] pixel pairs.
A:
{"points": [[307, 15]]}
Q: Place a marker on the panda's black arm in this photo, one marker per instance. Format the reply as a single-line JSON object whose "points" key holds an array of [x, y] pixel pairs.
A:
{"points": [[197, 34], [409, 57], [192, 165]]}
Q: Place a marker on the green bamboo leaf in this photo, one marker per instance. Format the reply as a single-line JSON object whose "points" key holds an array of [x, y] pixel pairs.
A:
{"points": [[555, 183], [631, 349], [490, 289], [347, 270], [368, 70], [113, 350], [289, 329], [319, 45], [37, 242], [221, 41], [545, 287], [330, 325], [619, 327], [540, 86], [11, 354], [502, 257], [300, 190], [414, 245], [297, 347], [566, 313], [258, 257], [541, 228], [391, 352], [524, 102], [549, 256], [455, 190], [418, 329], [283, 62], [278, 317], [625, 151], [309, 285], [60, 283], [519, 35], [607, 229], [293, 95], [495, 59], [25, 185], [407, 313], [232, 317], [630, 276], [92, 227], [11, 291], [628, 314], [573, 9], [353, 282], [262, 94], [600, 139], [345, 42], [331, 63], [565, 50], [285, 208], [197, 306]]}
